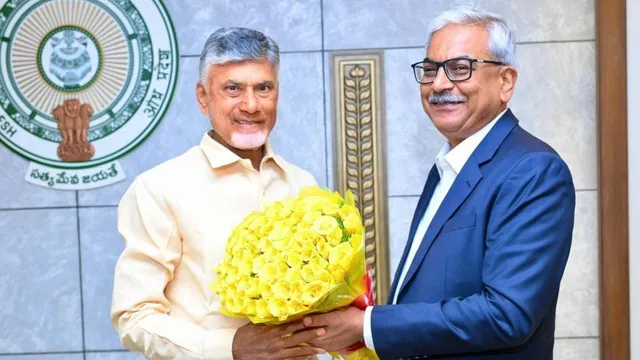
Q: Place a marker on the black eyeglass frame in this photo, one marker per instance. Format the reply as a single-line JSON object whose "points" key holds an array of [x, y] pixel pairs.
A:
{"points": [[440, 64]]}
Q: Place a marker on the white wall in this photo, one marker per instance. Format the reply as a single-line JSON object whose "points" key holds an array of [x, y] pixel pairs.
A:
{"points": [[633, 121]]}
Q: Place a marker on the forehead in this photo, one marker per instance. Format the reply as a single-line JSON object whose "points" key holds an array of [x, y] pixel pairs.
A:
{"points": [[459, 40], [243, 71]]}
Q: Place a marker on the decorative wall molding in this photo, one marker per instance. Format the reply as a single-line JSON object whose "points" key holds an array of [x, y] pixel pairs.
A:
{"points": [[359, 151]]}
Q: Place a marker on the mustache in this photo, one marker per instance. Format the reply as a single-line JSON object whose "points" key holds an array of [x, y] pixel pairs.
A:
{"points": [[446, 97]]}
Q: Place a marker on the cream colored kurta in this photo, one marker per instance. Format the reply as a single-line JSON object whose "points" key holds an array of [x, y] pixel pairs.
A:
{"points": [[175, 220]]}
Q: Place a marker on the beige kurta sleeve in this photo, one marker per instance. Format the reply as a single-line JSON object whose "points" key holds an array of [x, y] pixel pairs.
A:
{"points": [[139, 310]]}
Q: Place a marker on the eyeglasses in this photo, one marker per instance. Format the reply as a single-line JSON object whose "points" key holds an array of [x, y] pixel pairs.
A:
{"points": [[456, 69]]}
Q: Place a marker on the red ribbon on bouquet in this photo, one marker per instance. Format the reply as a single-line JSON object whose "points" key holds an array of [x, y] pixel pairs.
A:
{"points": [[361, 302]]}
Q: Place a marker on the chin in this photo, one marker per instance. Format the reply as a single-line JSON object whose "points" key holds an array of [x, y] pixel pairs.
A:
{"points": [[248, 141]]}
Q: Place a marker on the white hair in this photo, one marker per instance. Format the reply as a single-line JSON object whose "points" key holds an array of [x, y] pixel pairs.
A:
{"points": [[502, 40], [235, 44]]}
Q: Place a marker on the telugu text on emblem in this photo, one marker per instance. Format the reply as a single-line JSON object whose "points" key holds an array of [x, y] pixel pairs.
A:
{"points": [[82, 83]]}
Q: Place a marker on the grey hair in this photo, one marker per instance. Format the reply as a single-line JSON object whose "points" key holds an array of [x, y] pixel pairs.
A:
{"points": [[233, 44], [502, 40]]}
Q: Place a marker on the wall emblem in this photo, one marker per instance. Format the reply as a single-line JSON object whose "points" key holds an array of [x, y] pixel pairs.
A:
{"points": [[82, 83]]}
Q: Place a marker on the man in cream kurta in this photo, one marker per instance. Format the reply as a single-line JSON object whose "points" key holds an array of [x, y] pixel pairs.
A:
{"points": [[176, 218]]}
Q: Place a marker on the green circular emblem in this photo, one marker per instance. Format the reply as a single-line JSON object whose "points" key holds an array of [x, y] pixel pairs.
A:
{"points": [[65, 58], [82, 82]]}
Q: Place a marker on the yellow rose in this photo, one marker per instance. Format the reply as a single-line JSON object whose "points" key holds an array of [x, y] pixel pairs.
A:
{"points": [[347, 210], [325, 225], [309, 191], [296, 306], [337, 198], [325, 277], [230, 290], [245, 266], [269, 273], [243, 282], [307, 252], [253, 288], [283, 244], [262, 308], [281, 270], [221, 269], [313, 203], [331, 209], [237, 249], [335, 237], [251, 248], [240, 294], [296, 243], [282, 289], [318, 262], [294, 260], [245, 235], [234, 305], [298, 213], [292, 274], [353, 224], [265, 290], [308, 273], [323, 248], [286, 208], [258, 264], [274, 255], [278, 210], [307, 236], [257, 222], [264, 244], [338, 254], [280, 231], [313, 293], [249, 306], [278, 307], [297, 287], [264, 231], [310, 216], [232, 275]]}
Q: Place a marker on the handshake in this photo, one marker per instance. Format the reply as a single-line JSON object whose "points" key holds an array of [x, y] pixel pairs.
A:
{"points": [[336, 331], [297, 271]]}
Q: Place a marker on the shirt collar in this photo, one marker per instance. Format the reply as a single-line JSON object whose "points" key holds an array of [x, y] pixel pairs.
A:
{"points": [[456, 158], [218, 155]]}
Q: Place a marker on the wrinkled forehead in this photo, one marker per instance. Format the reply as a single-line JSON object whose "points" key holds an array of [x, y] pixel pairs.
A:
{"points": [[459, 41]]}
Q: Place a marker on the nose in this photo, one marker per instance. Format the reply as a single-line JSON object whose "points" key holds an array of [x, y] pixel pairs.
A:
{"points": [[441, 82], [249, 102]]}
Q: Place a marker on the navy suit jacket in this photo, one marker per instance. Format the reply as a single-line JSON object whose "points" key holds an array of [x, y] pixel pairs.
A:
{"points": [[484, 283]]}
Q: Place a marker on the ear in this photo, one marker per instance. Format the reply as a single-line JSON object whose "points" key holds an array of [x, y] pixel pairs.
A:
{"points": [[508, 78], [201, 95]]}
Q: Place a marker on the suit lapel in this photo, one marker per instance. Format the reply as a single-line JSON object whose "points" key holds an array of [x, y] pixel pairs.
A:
{"points": [[425, 197], [462, 187], [465, 182]]}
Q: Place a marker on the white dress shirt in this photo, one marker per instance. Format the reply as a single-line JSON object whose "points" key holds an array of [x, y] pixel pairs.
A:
{"points": [[449, 163]]}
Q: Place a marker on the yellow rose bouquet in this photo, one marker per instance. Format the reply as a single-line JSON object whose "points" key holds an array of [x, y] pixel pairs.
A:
{"points": [[298, 256]]}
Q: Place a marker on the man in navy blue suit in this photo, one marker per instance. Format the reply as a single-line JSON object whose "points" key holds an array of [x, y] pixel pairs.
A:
{"points": [[490, 238]]}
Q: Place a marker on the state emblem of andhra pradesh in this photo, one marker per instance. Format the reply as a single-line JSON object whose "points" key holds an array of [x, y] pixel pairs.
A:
{"points": [[82, 83]]}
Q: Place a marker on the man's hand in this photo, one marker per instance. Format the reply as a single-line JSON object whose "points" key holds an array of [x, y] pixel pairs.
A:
{"points": [[262, 342], [344, 328]]}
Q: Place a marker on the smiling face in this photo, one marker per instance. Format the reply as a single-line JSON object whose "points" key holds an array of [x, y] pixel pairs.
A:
{"points": [[459, 109], [241, 100]]}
